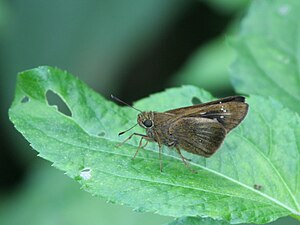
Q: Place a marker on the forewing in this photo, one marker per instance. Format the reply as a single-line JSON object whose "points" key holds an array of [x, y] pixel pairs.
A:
{"points": [[199, 136], [228, 111]]}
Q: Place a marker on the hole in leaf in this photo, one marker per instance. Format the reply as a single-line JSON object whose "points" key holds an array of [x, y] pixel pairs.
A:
{"points": [[25, 99], [101, 134], [56, 100], [196, 101]]}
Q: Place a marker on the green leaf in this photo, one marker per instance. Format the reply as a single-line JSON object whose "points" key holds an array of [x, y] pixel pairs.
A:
{"points": [[197, 221], [48, 197], [268, 52], [209, 221], [264, 151]]}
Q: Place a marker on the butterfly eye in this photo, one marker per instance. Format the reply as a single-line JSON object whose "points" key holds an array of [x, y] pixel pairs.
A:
{"points": [[147, 123]]}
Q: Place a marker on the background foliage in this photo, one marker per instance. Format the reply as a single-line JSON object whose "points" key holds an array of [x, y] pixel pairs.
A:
{"points": [[109, 53]]}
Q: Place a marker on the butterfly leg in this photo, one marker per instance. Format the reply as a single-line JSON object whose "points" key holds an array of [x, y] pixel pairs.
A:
{"points": [[184, 159], [157, 139], [181, 156], [147, 141], [127, 139], [141, 146], [160, 159]]}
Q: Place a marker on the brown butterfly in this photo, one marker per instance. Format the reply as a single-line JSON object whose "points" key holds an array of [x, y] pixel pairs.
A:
{"points": [[198, 129]]}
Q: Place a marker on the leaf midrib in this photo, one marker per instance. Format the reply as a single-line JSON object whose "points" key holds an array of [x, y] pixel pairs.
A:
{"points": [[192, 163], [158, 182]]}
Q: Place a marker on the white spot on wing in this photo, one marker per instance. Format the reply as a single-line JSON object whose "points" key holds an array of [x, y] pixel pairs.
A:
{"points": [[223, 110]]}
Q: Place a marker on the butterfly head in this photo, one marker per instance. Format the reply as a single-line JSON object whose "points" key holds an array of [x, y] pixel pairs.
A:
{"points": [[145, 119]]}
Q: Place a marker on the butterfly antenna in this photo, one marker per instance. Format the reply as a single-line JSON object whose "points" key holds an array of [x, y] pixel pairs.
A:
{"points": [[123, 132], [119, 100]]}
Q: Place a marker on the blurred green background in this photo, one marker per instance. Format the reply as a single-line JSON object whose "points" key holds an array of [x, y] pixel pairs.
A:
{"points": [[129, 48]]}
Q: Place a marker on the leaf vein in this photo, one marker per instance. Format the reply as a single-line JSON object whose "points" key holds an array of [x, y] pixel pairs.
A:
{"points": [[277, 172]]}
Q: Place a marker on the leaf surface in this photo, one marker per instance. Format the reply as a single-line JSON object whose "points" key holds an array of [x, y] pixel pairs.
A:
{"points": [[197, 221], [268, 49], [263, 150]]}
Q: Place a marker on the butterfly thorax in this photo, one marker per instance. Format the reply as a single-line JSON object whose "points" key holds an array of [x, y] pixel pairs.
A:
{"points": [[156, 125]]}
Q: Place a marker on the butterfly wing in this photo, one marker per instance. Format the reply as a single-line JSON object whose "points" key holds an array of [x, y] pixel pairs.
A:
{"points": [[228, 111], [201, 136]]}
